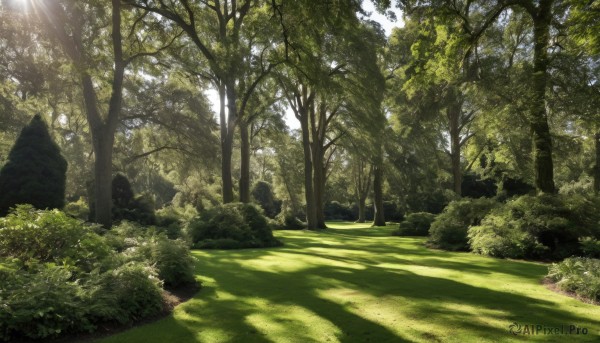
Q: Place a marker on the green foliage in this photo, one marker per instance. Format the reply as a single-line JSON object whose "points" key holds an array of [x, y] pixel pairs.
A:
{"points": [[127, 293], [126, 206], [263, 194], [288, 221], [538, 227], [35, 171], [168, 221], [579, 275], [171, 258], [50, 236], [335, 211], [392, 211], [590, 247], [416, 224], [242, 223], [42, 302], [58, 276], [78, 209], [449, 230]]}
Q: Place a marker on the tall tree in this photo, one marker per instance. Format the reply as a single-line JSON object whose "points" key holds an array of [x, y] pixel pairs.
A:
{"points": [[218, 31], [79, 29]]}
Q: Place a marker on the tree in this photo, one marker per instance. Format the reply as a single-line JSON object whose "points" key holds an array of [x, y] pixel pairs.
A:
{"points": [[79, 28], [218, 32], [35, 171]]}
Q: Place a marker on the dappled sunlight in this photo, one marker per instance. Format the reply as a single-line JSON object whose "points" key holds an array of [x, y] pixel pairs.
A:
{"points": [[276, 322], [339, 285]]}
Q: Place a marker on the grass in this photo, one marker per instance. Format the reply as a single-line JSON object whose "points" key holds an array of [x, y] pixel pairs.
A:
{"points": [[352, 283]]}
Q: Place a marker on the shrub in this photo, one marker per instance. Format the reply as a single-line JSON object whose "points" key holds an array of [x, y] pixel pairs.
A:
{"points": [[538, 227], [579, 275], [393, 212], [288, 221], [169, 222], [590, 247], [263, 194], [78, 209], [449, 229], [416, 224], [473, 186], [42, 302], [50, 236], [127, 293], [171, 258], [126, 206], [336, 211], [35, 172], [243, 223]]}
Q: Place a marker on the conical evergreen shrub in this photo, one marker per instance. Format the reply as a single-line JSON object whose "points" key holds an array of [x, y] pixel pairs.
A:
{"points": [[35, 172]]}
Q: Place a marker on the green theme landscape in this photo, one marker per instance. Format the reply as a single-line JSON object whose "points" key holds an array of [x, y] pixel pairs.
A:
{"points": [[299, 171]]}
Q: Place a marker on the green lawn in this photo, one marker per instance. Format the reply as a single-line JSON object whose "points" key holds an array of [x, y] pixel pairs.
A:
{"points": [[352, 283]]}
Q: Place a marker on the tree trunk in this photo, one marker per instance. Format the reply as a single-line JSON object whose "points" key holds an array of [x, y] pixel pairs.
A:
{"points": [[245, 162], [318, 184], [226, 148], [542, 140], [361, 209], [103, 148], [597, 166], [379, 219], [311, 214], [453, 113]]}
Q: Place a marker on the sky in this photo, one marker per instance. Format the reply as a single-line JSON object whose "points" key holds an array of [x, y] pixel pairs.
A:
{"points": [[289, 118]]}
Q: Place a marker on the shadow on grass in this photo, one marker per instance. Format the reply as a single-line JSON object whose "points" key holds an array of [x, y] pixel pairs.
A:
{"points": [[349, 284]]}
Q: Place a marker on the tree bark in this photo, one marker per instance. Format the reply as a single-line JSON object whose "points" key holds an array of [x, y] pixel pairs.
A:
{"points": [[453, 113], [103, 148], [311, 214], [226, 146], [542, 139], [597, 166], [245, 162], [362, 185], [379, 218], [319, 188]]}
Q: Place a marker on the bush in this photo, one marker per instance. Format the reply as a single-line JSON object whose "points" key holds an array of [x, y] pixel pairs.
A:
{"points": [[58, 276], [243, 223], [78, 209], [473, 186], [392, 212], [416, 224], [263, 194], [579, 275], [35, 172], [126, 206], [449, 229], [590, 247], [42, 302], [168, 221], [335, 211], [130, 292], [288, 221], [171, 258], [50, 236], [538, 227]]}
